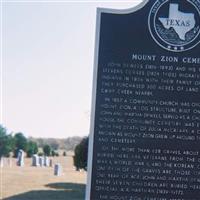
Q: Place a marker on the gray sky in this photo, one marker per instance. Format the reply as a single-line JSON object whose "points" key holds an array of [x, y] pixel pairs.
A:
{"points": [[47, 64]]}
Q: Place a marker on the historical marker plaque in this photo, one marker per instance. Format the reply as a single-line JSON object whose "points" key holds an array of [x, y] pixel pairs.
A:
{"points": [[145, 127]]}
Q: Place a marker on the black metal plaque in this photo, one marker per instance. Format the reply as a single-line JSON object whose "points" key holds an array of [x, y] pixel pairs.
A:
{"points": [[145, 127]]}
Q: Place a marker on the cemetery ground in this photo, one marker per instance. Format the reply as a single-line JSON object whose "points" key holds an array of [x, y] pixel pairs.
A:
{"points": [[39, 183]]}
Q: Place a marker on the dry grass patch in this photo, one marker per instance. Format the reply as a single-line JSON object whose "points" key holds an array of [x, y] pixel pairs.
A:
{"points": [[39, 183]]}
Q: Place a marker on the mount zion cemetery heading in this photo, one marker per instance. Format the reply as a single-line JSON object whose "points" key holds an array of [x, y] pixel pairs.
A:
{"points": [[169, 59]]}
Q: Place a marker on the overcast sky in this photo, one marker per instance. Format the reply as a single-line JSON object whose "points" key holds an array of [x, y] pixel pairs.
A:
{"points": [[47, 63]]}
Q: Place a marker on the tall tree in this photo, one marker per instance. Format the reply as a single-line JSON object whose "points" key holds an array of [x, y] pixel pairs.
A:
{"points": [[6, 142], [81, 154], [47, 150], [32, 148]]}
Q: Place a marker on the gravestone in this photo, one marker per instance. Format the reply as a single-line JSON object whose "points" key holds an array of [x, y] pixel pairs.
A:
{"points": [[51, 163], [145, 127], [20, 158], [35, 160], [46, 161], [41, 161], [1, 162], [57, 169]]}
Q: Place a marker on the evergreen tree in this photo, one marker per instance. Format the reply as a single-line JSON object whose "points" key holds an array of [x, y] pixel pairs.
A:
{"points": [[53, 153], [81, 154], [6, 142], [47, 150], [32, 148]]}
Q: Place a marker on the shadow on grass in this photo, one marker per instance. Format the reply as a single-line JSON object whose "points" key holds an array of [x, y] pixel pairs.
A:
{"points": [[66, 186], [63, 191]]}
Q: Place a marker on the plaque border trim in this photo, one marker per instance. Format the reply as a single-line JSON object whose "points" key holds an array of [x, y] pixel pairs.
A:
{"points": [[94, 86]]}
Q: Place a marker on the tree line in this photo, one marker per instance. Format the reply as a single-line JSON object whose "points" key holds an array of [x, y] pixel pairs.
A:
{"points": [[11, 144]]}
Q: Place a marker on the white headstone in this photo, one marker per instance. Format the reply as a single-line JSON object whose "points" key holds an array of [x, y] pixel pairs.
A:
{"points": [[1, 162], [46, 161], [20, 158], [41, 161], [57, 169], [35, 160]]}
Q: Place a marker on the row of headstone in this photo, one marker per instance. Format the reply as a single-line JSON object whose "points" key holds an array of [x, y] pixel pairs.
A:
{"points": [[36, 161], [5, 162], [41, 161], [44, 161]]}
